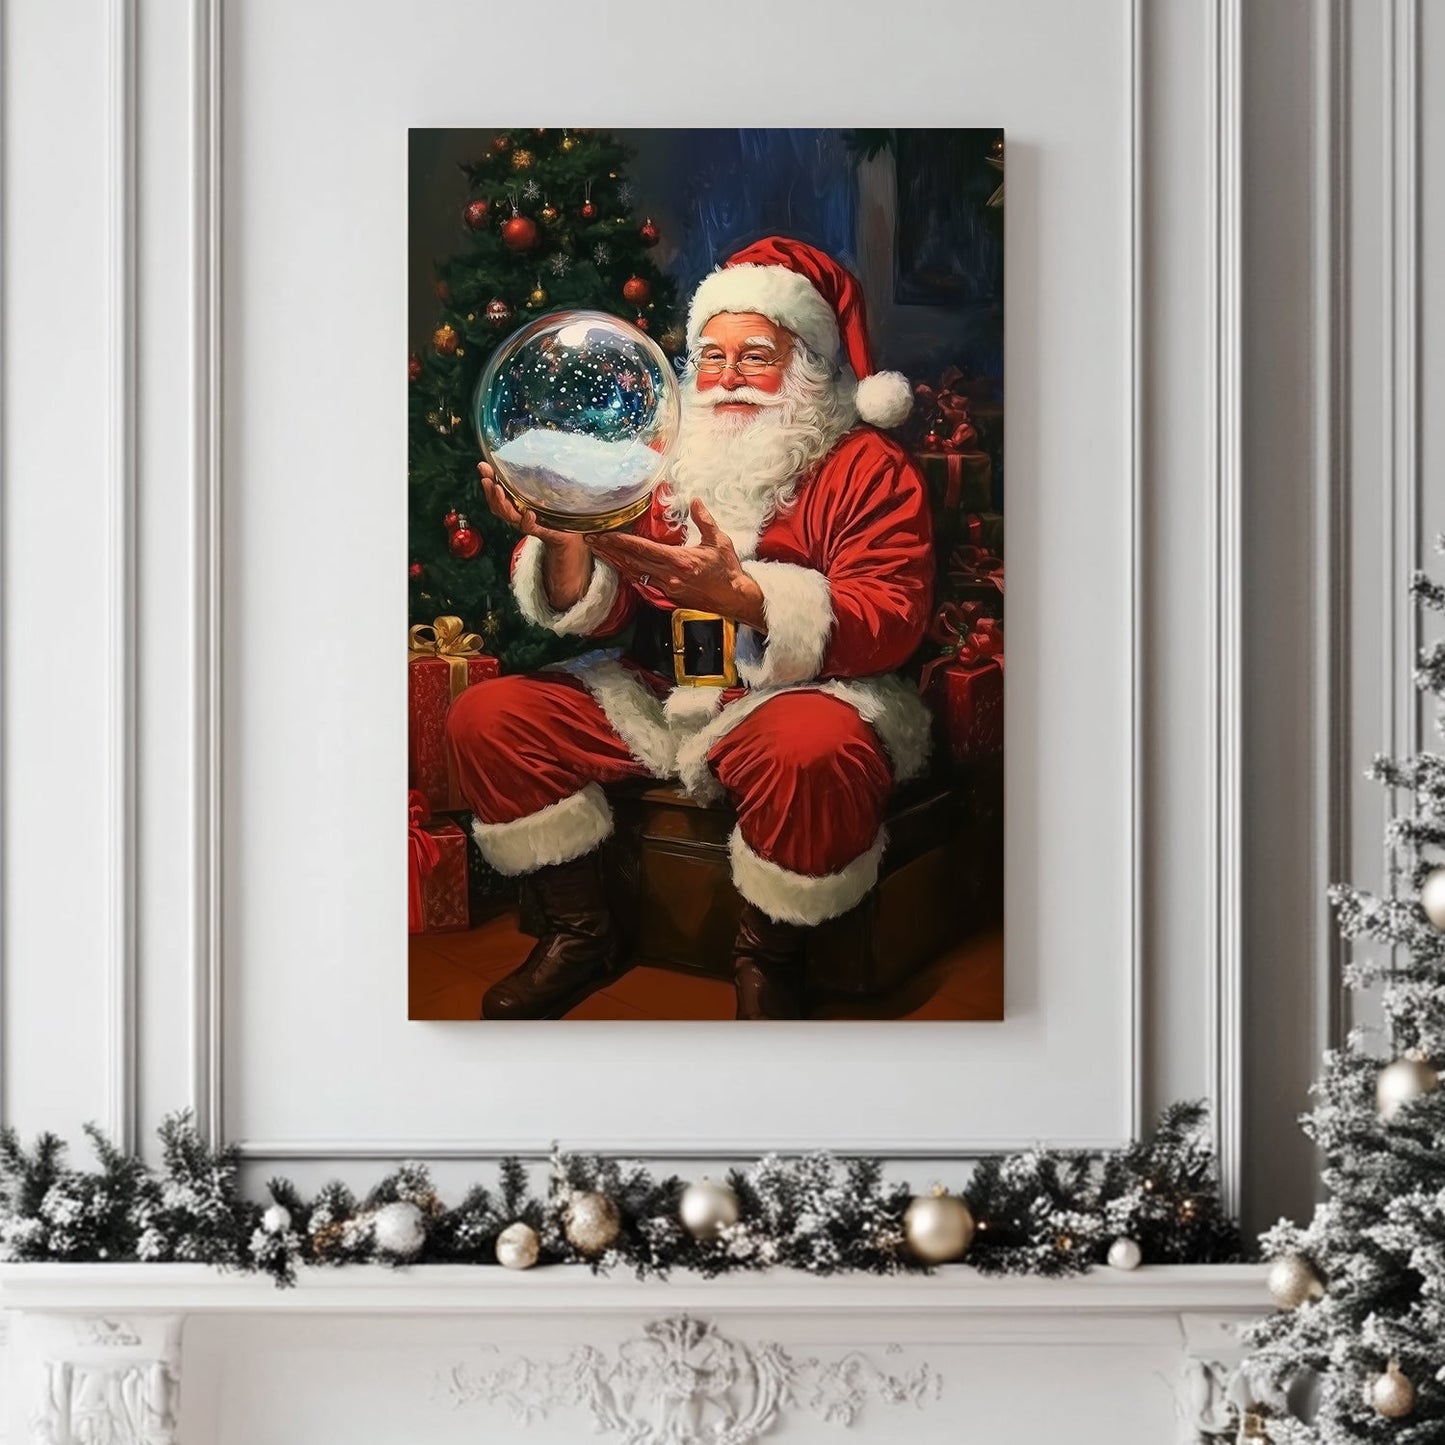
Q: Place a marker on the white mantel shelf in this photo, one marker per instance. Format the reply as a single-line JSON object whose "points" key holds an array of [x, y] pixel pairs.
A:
{"points": [[451, 1289]]}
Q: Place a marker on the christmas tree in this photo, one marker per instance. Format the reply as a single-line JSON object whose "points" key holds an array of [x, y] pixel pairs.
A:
{"points": [[547, 223], [1356, 1351]]}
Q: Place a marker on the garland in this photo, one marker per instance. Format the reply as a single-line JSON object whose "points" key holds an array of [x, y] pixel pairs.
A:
{"points": [[1038, 1212]]}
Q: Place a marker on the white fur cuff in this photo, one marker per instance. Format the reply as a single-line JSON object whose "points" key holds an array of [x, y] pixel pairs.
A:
{"points": [[798, 606], [792, 897], [584, 617], [555, 834]]}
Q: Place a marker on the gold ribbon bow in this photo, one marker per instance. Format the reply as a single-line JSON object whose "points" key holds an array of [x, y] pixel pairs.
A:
{"points": [[448, 639]]}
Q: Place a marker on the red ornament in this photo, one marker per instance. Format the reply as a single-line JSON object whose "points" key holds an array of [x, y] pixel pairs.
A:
{"points": [[498, 312], [635, 291], [641, 322], [464, 542], [520, 233], [416, 570], [452, 520], [413, 366], [443, 291], [476, 214], [648, 233], [500, 143], [589, 211]]}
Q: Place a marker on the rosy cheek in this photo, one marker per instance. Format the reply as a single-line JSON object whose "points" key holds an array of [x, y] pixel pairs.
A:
{"points": [[706, 381], [767, 381]]}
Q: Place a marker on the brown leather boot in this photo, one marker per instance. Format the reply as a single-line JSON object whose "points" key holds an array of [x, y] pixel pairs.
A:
{"points": [[768, 966], [577, 952]]}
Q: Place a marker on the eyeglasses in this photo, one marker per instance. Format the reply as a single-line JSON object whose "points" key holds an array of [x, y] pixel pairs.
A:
{"points": [[714, 363]]}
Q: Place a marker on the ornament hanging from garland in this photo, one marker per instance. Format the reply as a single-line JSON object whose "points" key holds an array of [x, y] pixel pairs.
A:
{"points": [[938, 1226], [465, 542], [445, 339], [592, 1222], [648, 233], [498, 312], [708, 1207], [1432, 897], [636, 291], [1125, 1254], [518, 1246], [399, 1229], [476, 215]]}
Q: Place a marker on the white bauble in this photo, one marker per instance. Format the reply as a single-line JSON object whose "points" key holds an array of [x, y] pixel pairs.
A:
{"points": [[276, 1220], [707, 1207], [938, 1226], [517, 1246], [399, 1229], [1392, 1394], [1407, 1078], [1125, 1253], [1292, 1280], [1432, 897]]}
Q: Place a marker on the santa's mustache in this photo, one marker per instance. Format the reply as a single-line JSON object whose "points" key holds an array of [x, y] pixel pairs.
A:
{"points": [[718, 397]]}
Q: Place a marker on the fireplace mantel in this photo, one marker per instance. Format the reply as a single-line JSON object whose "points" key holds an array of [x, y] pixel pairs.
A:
{"points": [[165, 1353]]}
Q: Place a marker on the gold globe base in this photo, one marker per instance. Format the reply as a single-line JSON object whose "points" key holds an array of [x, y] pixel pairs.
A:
{"points": [[578, 522]]}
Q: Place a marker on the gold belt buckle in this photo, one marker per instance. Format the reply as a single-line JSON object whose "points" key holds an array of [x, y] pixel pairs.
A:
{"points": [[728, 677]]}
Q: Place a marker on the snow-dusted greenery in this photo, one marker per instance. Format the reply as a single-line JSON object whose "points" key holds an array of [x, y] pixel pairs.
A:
{"points": [[1038, 1212], [1377, 1240]]}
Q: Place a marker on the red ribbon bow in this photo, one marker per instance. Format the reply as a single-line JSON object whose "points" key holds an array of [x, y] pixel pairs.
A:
{"points": [[967, 637], [968, 563], [951, 427]]}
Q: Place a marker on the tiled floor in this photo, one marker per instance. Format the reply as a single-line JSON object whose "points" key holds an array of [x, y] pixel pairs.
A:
{"points": [[450, 971]]}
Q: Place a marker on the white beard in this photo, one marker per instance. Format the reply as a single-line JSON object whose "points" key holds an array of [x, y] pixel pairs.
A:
{"points": [[747, 467]]}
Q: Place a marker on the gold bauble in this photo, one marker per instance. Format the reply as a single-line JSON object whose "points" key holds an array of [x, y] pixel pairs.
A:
{"points": [[592, 1222], [536, 297], [707, 1207], [1392, 1394], [1292, 1280], [444, 338], [517, 1246], [938, 1226], [568, 143], [521, 160], [1407, 1078], [1432, 897]]}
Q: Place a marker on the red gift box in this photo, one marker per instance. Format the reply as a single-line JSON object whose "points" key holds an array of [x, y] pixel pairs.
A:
{"points": [[444, 660], [965, 684], [437, 894]]}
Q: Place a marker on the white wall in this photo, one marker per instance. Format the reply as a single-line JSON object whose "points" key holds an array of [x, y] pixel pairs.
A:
{"points": [[123, 928]]}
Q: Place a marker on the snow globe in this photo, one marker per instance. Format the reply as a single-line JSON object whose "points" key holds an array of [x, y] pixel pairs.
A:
{"points": [[575, 413]]}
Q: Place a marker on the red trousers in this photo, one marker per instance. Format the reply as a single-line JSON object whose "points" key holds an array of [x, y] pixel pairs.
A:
{"points": [[807, 776]]}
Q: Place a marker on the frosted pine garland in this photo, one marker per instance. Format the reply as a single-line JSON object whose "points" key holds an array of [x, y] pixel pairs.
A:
{"points": [[1378, 1239], [1040, 1212]]}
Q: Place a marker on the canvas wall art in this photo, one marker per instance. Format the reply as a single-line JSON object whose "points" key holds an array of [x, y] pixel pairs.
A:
{"points": [[706, 482]]}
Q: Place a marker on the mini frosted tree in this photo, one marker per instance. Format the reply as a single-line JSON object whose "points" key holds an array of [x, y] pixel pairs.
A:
{"points": [[1356, 1351]]}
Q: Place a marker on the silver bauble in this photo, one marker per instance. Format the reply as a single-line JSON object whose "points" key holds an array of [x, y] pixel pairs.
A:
{"points": [[592, 1222], [1432, 897], [399, 1229], [1407, 1078], [517, 1246], [938, 1226], [1392, 1394], [1125, 1253], [1292, 1280], [707, 1207]]}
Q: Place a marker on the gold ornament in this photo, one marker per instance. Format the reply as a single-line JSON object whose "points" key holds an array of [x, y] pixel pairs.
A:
{"points": [[672, 339], [1409, 1077], [707, 1207], [444, 339], [592, 1222], [1125, 1253], [537, 296], [938, 1226], [1432, 897], [522, 160], [568, 142], [517, 1246], [1392, 1394], [1292, 1280]]}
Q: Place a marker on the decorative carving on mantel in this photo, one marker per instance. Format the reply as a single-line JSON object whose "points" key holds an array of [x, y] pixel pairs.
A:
{"points": [[1219, 1405], [106, 1332], [684, 1382], [95, 1405]]}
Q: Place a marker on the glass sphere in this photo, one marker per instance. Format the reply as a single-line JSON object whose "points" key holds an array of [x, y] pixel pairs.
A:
{"points": [[575, 413]]}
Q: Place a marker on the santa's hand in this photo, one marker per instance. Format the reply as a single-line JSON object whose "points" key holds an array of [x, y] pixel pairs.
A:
{"points": [[524, 520], [707, 577]]}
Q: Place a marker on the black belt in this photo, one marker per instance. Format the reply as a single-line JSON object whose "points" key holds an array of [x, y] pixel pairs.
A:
{"points": [[694, 649]]}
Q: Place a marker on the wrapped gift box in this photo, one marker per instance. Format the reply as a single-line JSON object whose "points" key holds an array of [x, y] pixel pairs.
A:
{"points": [[444, 660], [439, 901], [958, 482], [965, 684]]}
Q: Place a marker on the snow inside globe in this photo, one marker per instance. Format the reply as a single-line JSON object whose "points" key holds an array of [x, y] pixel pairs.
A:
{"points": [[575, 413]]}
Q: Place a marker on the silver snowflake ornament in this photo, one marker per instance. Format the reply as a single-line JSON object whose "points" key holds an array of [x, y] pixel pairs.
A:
{"points": [[600, 254], [560, 264], [625, 194], [531, 190]]}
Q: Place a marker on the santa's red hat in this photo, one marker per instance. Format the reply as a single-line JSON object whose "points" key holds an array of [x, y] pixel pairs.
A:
{"points": [[800, 287]]}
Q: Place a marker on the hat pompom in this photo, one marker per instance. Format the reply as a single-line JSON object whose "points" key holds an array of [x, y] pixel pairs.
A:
{"points": [[885, 398]]}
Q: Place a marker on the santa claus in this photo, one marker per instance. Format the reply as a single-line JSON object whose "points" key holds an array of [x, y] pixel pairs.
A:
{"points": [[781, 576]]}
